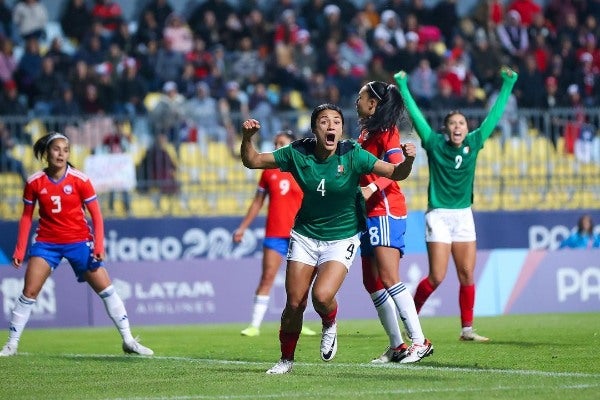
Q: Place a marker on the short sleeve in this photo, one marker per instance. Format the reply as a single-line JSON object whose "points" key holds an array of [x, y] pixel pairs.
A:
{"points": [[366, 160], [88, 193], [283, 158]]}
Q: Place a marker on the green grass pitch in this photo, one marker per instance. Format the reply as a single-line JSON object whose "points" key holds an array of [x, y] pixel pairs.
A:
{"points": [[549, 356]]}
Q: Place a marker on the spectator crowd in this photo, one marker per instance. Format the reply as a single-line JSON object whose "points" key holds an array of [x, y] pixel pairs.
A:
{"points": [[216, 64]]}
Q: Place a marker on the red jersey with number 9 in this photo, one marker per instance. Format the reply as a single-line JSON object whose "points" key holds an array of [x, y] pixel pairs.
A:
{"points": [[285, 197], [61, 206]]}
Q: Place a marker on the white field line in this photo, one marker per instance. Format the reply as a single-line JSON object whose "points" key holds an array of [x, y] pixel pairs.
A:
{"points": [[355, 393], [419, 367]]}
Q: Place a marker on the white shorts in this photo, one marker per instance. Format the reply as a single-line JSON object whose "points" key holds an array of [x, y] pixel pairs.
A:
{"points": [[447, 226], [316, 252]]}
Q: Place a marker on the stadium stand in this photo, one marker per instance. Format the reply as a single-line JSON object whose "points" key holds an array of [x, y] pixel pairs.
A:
{"points": [[545, 169]]}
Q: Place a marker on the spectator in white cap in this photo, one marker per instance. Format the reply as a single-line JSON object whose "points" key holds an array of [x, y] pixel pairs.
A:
{"points": [[391, 27], [586, 58], [169, 88], [233, 108], [331, 9], [389, 38], [305, 55], [587, 76], [408, 57], [573, 90], [202, 113], [167, 116], [591, 46], [333, 25], [513, 36]]}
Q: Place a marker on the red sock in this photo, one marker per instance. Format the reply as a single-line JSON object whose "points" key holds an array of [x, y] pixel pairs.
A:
{"points": [[370, 282], [423, 292], [466, 301], [288, 342], [329, 319]]}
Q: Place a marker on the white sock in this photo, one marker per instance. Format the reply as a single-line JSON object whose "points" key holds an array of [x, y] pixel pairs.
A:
{"points": [[19, 317], [116, 311], [261, 304], [388, 316], [408, 312]]}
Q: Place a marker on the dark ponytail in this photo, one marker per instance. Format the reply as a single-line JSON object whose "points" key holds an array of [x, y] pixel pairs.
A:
{"points": [[390, 107]]}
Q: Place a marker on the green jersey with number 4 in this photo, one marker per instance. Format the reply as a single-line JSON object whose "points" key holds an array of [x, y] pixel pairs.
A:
{"points": [[332, 206], [452, 169]]}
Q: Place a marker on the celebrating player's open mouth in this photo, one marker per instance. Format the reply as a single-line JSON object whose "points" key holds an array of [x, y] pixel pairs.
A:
{"points": [[328, 131], [330, 139]]}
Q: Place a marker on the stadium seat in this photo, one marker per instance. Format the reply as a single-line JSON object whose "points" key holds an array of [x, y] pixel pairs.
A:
{"points": [[35, 129], [296, 100], [218, 152], [487, 193], [78, 155], [11, 195], [151, 100], [417, 201], [563, 165], [199, 205], [143, 206], [190, 154], [229, 205], [24, 153], [491, 149]]}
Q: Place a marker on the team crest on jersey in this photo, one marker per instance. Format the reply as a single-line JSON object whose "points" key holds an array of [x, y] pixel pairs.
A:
{"points": [[466, 150], [340, 169], [68, 189]]}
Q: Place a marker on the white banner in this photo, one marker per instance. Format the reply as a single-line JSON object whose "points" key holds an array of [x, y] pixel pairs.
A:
{"points": [[111, 172]]}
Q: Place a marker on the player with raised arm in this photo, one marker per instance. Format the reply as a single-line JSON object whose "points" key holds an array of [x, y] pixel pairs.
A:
{"points": [[285, 197], [63, 194], [325, 236], [450, 228]]}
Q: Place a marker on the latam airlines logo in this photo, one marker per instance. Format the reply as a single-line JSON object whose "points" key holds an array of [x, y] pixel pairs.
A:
{"points": [[167, 297]]}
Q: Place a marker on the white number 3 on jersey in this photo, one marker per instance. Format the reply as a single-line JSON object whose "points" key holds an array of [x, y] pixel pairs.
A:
{"points": [[57, 204]]}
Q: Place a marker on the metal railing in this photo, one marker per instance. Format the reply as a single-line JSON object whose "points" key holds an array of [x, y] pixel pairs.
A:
{"points": [[536, 168]]}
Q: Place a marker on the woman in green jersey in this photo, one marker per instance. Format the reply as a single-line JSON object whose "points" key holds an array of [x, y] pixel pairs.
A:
{"points": [[325, 235], [450, 229]]}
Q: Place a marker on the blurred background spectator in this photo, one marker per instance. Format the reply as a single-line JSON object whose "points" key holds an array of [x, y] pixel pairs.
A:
{"points": [[69, 62]]}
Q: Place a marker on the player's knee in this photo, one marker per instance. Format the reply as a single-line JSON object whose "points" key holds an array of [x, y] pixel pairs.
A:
{"points": [[435, 281], [295, 307]]}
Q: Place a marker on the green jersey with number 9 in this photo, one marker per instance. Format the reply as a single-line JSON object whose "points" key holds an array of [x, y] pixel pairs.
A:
{"points": [[452, 169]]}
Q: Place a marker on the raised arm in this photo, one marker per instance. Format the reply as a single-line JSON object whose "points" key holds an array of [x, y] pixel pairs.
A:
{"points": [[509, 77], [251, 158], [422, 127]]}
